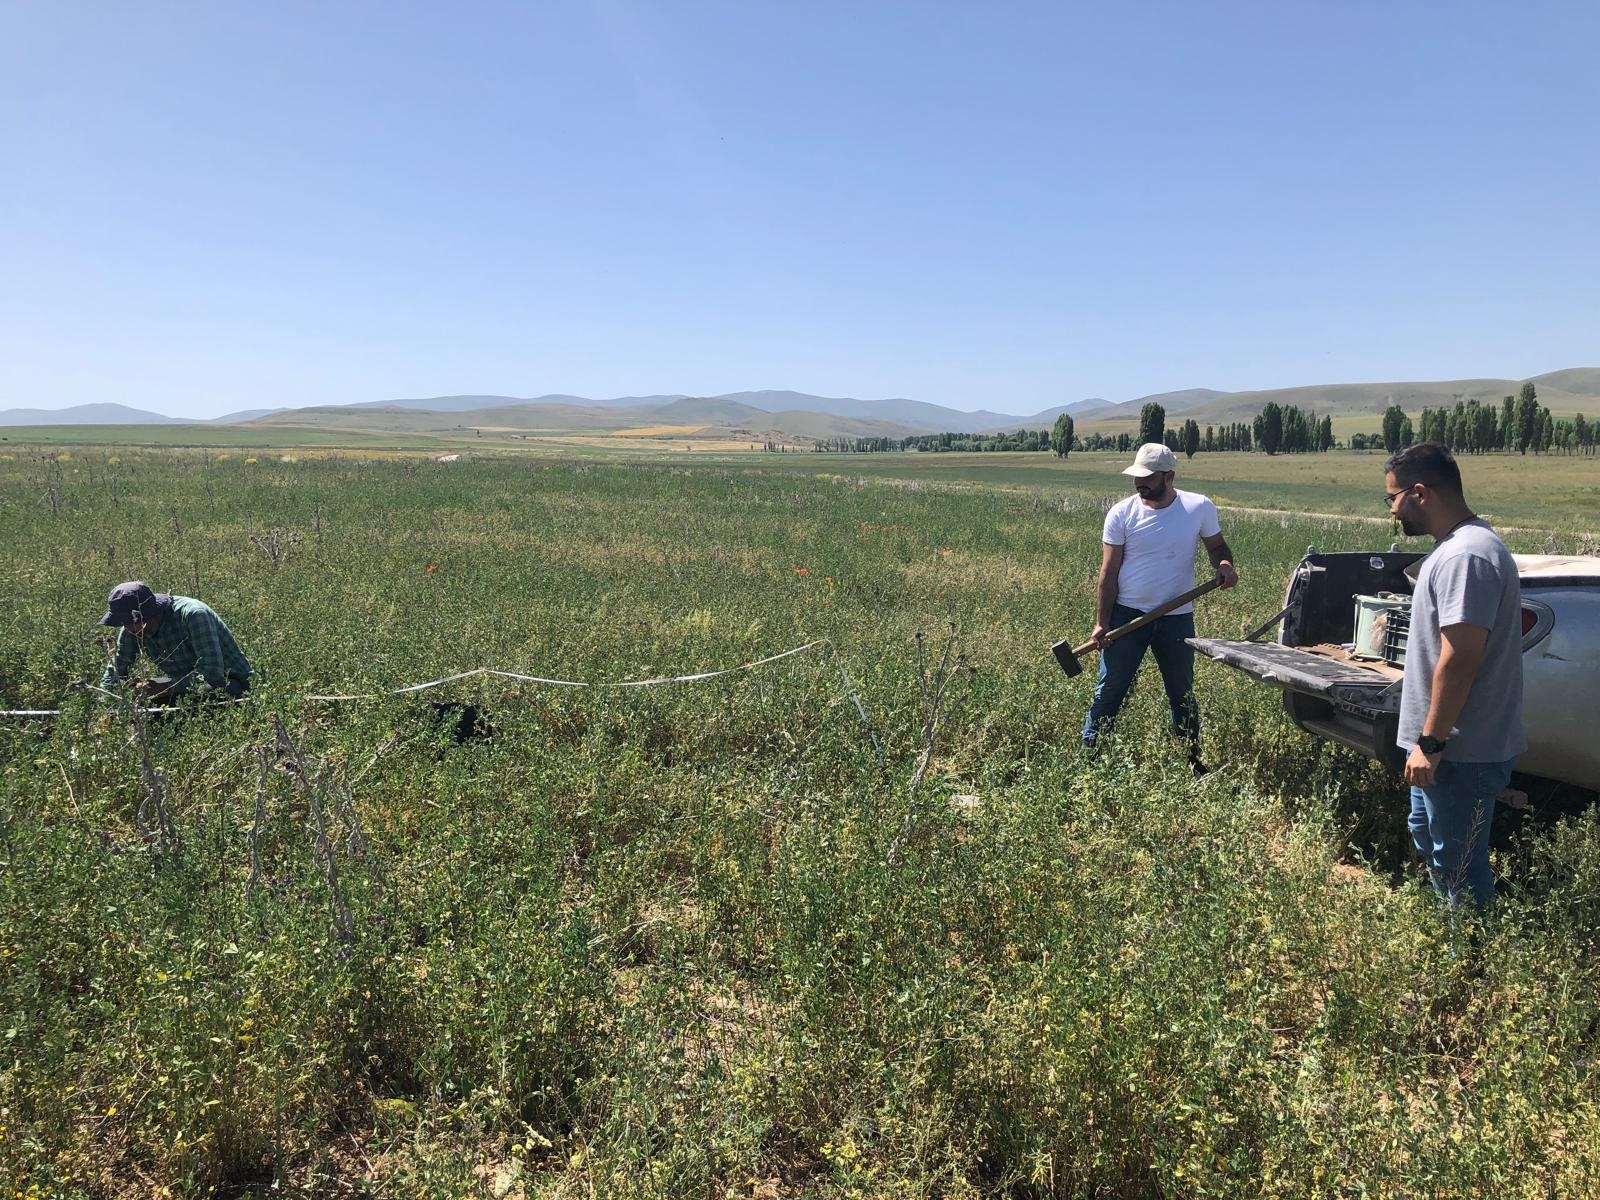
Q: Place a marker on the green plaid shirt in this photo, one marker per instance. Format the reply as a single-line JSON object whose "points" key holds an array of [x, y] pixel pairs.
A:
{"points": [[193, 641]]}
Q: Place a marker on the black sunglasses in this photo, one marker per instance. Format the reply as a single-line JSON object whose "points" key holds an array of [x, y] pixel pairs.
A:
{"points": [[1388, 497]]}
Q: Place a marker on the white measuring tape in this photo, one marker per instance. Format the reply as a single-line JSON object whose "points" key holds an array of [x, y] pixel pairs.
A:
{"points": [[518, 676], [849, 684], [578, 683]]}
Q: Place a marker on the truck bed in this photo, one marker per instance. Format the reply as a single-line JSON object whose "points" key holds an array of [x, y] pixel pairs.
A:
{"points": [[1326, 691], [1320, 668], [1356, 702]]}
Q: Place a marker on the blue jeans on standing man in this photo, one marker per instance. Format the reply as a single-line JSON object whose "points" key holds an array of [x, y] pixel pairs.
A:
{"points": [[1120, 661], [1450, 824]]}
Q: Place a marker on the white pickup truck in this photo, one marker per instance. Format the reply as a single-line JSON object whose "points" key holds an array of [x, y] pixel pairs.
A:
{"points": [[1330, 692]]}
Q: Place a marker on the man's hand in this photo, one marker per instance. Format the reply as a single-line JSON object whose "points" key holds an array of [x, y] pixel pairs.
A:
{"points": [[153, 692], [1227, 577], [1420, 767], [1098, 637]]}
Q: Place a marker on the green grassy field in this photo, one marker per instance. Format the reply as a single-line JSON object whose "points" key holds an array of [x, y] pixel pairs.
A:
{"points": [[35, 439], [707, 938], [1559, 494], [1564, 500]]}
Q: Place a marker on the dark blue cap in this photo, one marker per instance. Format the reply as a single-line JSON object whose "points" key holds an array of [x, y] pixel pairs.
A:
{"points": [[130, 602]]}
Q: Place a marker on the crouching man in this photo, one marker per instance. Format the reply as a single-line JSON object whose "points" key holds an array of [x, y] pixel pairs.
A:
{"points": [[187, 642]]}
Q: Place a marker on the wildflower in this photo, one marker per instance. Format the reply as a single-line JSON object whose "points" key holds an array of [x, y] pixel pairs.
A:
{"points": [[430, 568], [802, 570], [944, 549]]}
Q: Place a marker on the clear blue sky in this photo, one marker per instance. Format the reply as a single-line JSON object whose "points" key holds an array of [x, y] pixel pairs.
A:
{"points": [[214, 206]]}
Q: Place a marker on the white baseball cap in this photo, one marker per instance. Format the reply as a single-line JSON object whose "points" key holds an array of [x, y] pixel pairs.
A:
{"points": [[1152, 457]]}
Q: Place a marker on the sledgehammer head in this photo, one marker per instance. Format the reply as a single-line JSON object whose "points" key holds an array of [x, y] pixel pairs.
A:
{"points": [[1067, 658]]}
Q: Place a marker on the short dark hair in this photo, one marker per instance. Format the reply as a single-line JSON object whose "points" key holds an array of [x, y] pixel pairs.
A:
{"points": [[1429, 463]]}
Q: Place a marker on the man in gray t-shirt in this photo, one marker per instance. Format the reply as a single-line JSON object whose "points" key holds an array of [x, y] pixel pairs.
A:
{"points": [[1461, 699]]}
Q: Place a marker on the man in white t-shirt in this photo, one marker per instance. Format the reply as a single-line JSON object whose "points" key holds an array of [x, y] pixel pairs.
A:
{"points": [[1148, 558]]}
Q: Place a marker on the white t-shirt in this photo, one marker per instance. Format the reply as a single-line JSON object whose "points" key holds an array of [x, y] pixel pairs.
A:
{"points": [[1158, 547]]}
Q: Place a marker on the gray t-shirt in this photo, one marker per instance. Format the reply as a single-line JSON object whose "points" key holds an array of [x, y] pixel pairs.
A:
{"points": [[1469, 579]]}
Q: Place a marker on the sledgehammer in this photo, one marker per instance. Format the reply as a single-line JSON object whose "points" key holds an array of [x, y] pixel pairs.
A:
{"points": [[1067, 654]]}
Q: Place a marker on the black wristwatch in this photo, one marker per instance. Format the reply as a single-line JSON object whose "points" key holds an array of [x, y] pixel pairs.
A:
{"points": [[1429, 744]]}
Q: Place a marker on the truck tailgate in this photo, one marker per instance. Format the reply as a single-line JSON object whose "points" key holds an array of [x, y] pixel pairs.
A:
{"points": [[1309, 672]]}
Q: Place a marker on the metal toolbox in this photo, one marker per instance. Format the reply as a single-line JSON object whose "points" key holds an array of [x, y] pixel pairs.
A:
{"points": [[1373, 618]]}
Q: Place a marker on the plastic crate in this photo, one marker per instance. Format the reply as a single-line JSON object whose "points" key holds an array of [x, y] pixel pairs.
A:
{"points": [[1395, 636]]}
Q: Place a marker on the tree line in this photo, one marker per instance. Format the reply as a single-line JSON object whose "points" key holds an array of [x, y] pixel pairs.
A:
{"points": [[1520, 423], [1277, 428], [1022, 439]]}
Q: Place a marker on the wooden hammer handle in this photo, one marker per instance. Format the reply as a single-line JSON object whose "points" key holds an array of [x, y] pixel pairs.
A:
{"points": [[1160, 610]]}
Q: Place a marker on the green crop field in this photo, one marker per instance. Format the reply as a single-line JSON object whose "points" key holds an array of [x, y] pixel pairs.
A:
{"points": [[739, 936], [1556, 494], [34, 439]]}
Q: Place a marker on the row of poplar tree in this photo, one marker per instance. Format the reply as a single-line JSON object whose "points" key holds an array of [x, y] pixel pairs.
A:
{"points": [[1277, 428], [1520, 423]]}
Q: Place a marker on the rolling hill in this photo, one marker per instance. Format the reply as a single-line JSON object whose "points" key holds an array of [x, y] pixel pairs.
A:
{"points": [[88, 414], [476, 403], [691, 415], [1562, 392], [779, 414], [913, 416]]}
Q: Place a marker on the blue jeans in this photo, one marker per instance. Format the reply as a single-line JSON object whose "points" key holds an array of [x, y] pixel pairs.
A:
{"points": [[1120, 661], [1450, 824]]}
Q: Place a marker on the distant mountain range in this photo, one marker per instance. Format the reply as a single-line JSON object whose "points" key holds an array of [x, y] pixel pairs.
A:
{"points": [[914, 415], [116, 414], [798, 415]]}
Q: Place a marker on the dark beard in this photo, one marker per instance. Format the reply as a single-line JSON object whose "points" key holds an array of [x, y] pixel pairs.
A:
{"points": [[1412, 528], [1155, 495]]}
